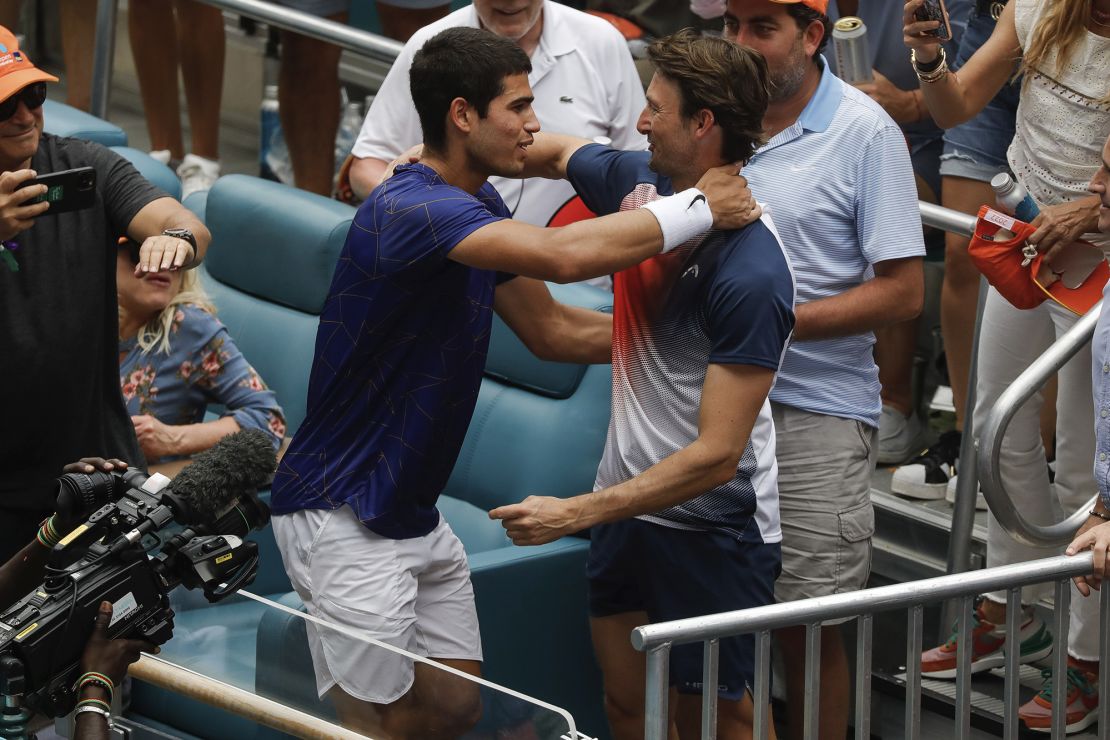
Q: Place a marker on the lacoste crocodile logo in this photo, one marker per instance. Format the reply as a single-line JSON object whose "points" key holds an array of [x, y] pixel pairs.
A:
{"points": [[566, 99]]}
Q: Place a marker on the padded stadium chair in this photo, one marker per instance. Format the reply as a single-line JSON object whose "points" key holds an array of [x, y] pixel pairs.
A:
{"points": [[151, 169], [63, 120]]}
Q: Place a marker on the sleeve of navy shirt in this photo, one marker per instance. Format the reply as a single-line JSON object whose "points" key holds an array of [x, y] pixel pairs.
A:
{"points": [[750, 303], [410, 222], [604, 176]]}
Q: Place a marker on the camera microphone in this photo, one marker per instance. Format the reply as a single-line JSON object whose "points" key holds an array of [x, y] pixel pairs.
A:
{"points": [[216, 492], [238, 464]]}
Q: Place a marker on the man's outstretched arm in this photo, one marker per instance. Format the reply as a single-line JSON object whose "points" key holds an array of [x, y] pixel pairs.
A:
{"points": [[732, 396], [553, 330], [605, 245]]}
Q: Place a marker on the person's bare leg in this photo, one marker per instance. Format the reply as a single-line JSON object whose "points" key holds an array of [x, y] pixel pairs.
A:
{"points": [[200, 43], [624, 673], [735, 719], [439, 706], [835, 691], [894, 352], [400, 23], [150, 26], [78, 42], [959, 293], [308, 99]]}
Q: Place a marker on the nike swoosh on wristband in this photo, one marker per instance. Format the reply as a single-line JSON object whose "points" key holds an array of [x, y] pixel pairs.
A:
{"points": [[697, 197]]}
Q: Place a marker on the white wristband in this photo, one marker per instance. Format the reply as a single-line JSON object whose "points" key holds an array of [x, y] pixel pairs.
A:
{"points": [[682, 217]]}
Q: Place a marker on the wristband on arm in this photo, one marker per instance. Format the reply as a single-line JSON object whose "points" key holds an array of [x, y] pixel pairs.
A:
{"points": [[681, 217]]}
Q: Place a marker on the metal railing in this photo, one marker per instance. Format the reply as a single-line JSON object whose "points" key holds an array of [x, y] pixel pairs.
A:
{"points": [[994, 429], [657, 640], [355, 40]]}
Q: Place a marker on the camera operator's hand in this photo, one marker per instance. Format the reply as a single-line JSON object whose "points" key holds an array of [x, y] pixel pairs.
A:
{"points": [[15, 214], [86, 465], [111, 657]]}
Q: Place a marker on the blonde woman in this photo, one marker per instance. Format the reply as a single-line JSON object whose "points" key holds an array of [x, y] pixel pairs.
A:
{"points": [[1062, 50], [176, 359]]}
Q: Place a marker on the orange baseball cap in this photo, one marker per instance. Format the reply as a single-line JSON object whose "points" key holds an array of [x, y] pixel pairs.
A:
{"points": [[821, 6], [16, 70]]}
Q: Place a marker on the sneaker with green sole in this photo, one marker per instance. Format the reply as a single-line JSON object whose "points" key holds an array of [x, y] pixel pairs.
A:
{"points": [[987, 643], [1082, 698]]}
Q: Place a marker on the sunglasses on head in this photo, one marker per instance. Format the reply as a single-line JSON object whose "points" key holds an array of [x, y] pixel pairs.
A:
{"points": [[33, 96]]}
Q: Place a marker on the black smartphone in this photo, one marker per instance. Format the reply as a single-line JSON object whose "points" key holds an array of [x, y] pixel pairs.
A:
{"points": [[68, 190], [934, 10]]}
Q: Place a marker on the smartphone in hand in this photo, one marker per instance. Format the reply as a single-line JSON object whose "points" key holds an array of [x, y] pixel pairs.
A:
{"points": [[934, 10], [68, 190]]}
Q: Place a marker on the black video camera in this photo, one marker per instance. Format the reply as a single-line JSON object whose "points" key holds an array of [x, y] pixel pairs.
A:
{"points": [[127, 552]]}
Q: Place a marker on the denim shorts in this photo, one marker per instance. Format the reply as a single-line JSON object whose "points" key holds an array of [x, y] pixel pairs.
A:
{"points": [[637, 566], [977, 148]]}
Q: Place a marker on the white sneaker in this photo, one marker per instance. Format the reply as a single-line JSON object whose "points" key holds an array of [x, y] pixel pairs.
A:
{"points": [[197, 173], [161, 155], [900, 437], [950, 495], [927, 475]]}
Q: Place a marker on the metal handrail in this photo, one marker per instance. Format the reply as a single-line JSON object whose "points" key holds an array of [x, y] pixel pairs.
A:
{"points": [[658, 639], [994, 429], [355, 40]]}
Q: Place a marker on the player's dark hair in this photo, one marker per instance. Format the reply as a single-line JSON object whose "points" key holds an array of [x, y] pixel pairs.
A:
{"points": [[804, 15], [726, 78], [467, 63]]}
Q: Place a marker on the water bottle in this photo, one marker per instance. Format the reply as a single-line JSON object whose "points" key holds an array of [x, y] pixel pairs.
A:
{"points": [[350, 123], [269, 125], [1013, 198]]}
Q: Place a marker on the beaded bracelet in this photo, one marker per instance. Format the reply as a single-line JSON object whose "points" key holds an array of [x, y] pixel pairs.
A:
{"points": [[96, 679], [1100, 515], [47, 535]]}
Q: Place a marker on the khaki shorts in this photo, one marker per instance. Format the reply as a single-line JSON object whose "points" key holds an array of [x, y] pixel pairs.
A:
{"points": [[825, 465], [414, 594]]}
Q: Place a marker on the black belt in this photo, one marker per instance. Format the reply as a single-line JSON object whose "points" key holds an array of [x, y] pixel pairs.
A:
{"points": [[989, 8]]}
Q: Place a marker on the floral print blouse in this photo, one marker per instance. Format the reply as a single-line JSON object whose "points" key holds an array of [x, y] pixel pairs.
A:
{"points": [[203, 368]]}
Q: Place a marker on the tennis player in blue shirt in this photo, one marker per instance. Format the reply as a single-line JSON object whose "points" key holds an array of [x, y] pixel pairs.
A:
{"points": [[399, 358]]}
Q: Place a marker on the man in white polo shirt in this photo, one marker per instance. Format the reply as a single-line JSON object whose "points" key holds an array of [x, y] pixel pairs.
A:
{"points": [[582, 76], [836, 174]]}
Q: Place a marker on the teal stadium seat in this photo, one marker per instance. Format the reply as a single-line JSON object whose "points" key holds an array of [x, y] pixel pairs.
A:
{"points": [[539, 427], [64, 120], [152, 169]]}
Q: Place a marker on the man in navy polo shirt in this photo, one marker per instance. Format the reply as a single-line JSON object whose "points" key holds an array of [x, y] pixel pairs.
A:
{"points": [[685, 506], [399, 357]]}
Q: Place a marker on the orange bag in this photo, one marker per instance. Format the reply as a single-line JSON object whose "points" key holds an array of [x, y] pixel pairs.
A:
{"points": [[1020, 274]]}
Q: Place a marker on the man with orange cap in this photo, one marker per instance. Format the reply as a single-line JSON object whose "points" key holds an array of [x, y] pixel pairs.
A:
{"points": [[59, 367], [836, 175]]}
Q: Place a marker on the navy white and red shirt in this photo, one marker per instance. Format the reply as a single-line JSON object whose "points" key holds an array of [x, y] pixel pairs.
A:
{"points": [[724, 298]]}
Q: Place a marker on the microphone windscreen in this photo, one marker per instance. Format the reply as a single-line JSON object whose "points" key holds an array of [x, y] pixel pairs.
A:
{"points": [[240, 462]]}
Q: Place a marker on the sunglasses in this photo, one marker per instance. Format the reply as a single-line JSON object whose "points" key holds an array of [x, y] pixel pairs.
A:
{"points": [[33, 96]]}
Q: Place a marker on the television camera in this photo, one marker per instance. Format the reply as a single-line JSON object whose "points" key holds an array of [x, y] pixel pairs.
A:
{"points": [[145, 536]]}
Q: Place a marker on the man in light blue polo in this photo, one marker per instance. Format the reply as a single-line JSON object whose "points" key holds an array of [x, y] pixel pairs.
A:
{"points": [[837, 177]]}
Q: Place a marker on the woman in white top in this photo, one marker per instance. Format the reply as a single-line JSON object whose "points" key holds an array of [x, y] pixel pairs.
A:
{"points": [[1062, 49]]}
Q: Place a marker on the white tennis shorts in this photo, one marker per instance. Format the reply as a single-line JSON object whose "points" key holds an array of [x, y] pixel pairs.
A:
{"points": [[414, 594]]}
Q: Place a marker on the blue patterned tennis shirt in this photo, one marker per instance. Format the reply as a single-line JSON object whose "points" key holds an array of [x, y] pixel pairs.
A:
{"points": [[399, 358]]}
